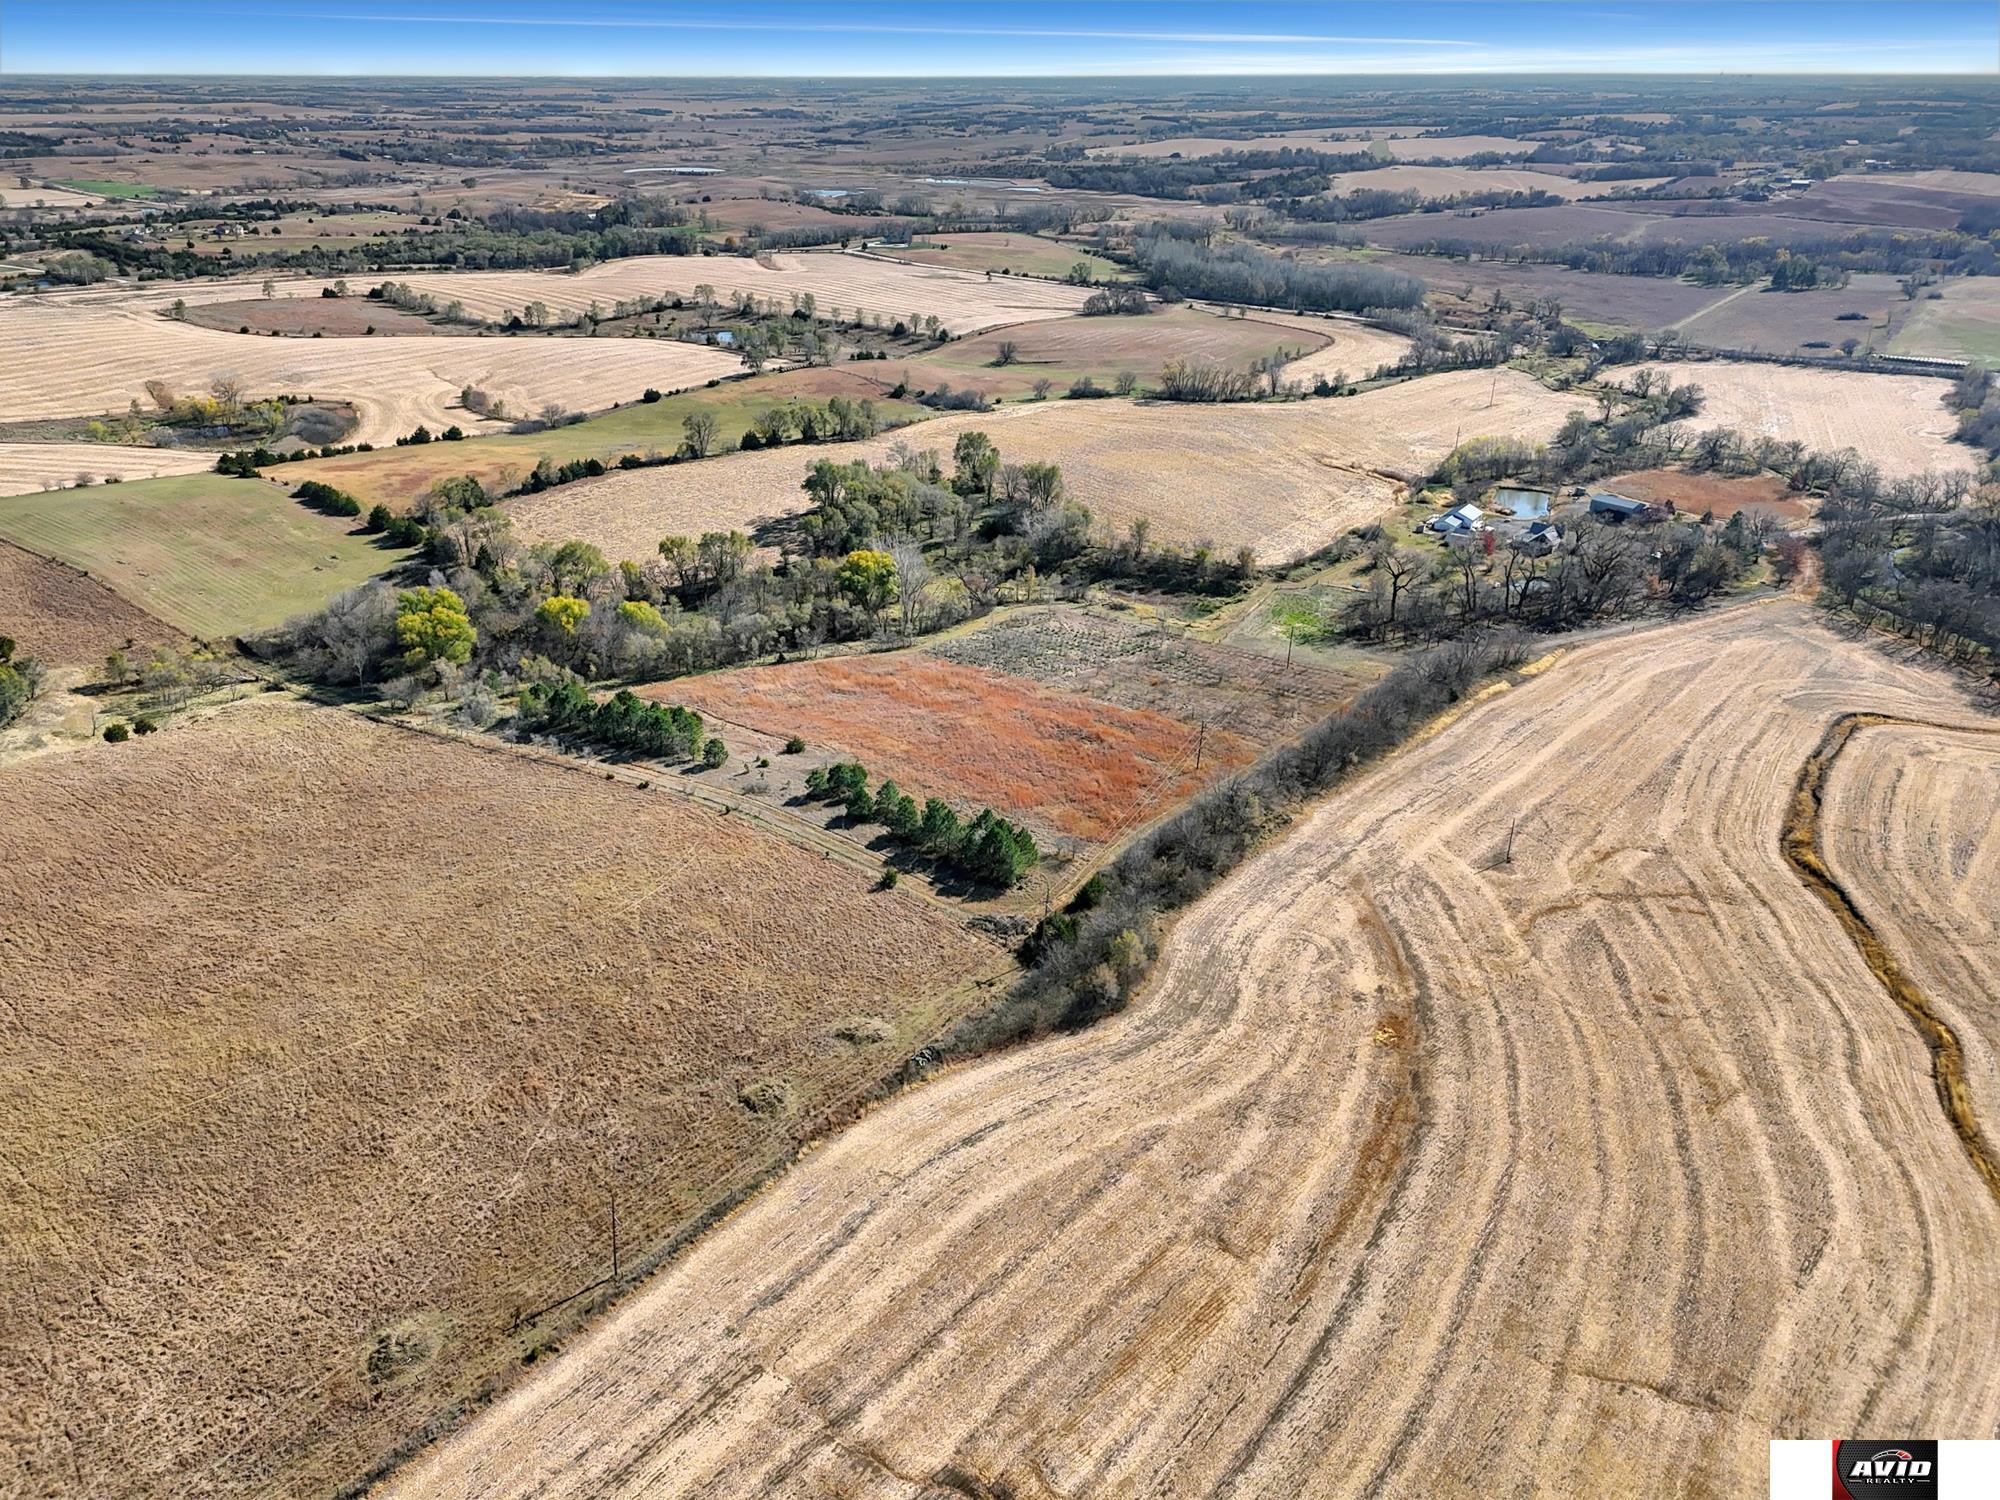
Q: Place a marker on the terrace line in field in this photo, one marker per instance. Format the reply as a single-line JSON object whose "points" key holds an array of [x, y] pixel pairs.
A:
{"points": [[1528, 1042]]}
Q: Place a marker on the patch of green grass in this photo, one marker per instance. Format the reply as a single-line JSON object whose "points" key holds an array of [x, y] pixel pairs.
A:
{"points": [[1304, 617], [112, 189], [215, 556], [397, 476]]}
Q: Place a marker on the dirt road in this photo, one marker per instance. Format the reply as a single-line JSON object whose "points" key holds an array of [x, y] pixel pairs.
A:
{"points": [[1521, 1122]]}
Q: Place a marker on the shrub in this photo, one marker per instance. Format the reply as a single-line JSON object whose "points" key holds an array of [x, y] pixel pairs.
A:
{"points": [[117, 734], [144, 724], [795, 746], [714, 754], [327, 500]]}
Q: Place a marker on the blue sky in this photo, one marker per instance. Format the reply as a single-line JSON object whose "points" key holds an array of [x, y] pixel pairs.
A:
{"points": [[833, 38]]}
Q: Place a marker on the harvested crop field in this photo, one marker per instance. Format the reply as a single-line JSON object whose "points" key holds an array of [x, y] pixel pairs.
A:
{"points": [[1899, 423], [390, 1020], [79, 354], [214, 556], [1397, 145], [1065, 349], [1452, 182], [28, 467], [1082, 727], [879, 288], [1283, 479], [62, 617], [1413, 1164], [1910, 814]]}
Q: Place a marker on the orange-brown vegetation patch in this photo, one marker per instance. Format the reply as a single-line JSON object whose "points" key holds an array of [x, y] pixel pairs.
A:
{"points": [[64, 617], [977, 737], [1720, 494], [327, 1046]]}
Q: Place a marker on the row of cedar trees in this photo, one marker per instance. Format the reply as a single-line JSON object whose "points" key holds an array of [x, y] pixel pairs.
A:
{"points": [[988, 849], [623, 721]]}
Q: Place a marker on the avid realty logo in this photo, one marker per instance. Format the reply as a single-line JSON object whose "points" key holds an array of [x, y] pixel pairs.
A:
{"points": [[1904, 1469]]}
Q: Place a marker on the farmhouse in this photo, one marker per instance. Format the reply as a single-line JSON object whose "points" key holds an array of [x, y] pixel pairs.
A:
{"points": [[1536, 539], [1460, 520]]}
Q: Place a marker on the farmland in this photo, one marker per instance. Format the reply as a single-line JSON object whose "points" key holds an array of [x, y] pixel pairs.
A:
{"points": [[78, 354], [1452, 182], [396, 476], [878, 288], [1898, 422], [1081, 726], [1065, 350], [1396, 145], [62, 617], [1614, 1101], [1017, 254], [1868, 310], [283, 1177], [1958, 319], [27, 467], [1280, 479], [212, 556]]}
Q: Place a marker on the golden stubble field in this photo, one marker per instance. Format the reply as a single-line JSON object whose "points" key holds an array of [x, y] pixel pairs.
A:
{"points": [[1283, 479], [1899, 423], [92, 352], [965, 301], [327, 1045], [28, 467], [1416, 1163]]}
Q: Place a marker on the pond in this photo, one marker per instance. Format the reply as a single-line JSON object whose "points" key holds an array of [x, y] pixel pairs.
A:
{"points": [[1526, 504]]}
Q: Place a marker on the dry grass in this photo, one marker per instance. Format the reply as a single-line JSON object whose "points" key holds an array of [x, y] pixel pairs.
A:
{"points": [[1064, 762], [1723, 495], [81, 353], [28, 467], [62, 617], [879, 288], [1626, 1113], [1283, 479], [1897, 422], [320, 1032]]}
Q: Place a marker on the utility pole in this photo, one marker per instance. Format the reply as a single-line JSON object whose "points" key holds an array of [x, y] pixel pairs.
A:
{"points": [[614, 1235], [1201, 736], [1291, 635]]}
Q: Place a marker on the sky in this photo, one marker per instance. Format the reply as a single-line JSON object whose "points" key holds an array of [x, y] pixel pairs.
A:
{"points": [[983, 38]]}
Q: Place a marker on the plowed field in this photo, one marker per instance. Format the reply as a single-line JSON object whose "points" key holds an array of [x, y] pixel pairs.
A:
{"points": [[1524, 1111]]}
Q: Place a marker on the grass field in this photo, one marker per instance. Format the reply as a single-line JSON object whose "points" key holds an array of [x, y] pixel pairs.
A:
{"points": [[1020, 254], [389, 1020], [63, 618], [1283, 479], [1897, 422], [396, 476], [214, 556], [1963, 322], [106, 189], [1530, 1041]]}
